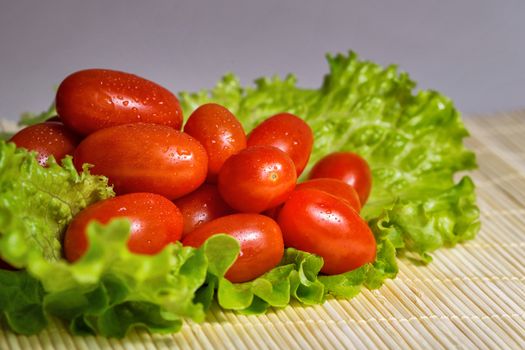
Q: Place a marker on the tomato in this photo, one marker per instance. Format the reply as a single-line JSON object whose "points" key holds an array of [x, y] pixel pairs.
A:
{"points": [[219, 132], [346, 166], [145, 158], [201, 206], [317, 222], [257, 178], [287, 132], [155, 222], [260, 239], [335, 187], [93, 99], [47, 139]]}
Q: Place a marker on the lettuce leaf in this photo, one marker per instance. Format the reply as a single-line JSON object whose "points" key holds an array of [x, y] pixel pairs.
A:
{"points": [[31, 118], [4, 135], [21, 302], [412, 141], [37, 203]]}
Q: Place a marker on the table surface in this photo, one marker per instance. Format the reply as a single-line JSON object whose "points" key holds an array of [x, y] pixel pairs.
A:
{"points": [[472, 296]]}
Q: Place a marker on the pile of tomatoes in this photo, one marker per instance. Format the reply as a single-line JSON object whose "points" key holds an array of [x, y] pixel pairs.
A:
{"points": [[207, 179]]}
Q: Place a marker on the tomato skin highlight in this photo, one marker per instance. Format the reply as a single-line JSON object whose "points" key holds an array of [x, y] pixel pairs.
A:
{"points": [[346, 166], [145, 158], [260, 239], [93, 99], [257, 178], [287, 132], [317, 222], [155, 222], [200, 206], [221, 134], [47, 139], [336, 188]]}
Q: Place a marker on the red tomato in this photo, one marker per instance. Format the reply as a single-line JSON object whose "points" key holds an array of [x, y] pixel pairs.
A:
{"points": [[200, 206], [219, 132], [257, 178], [346, 166], [317, 222], [47, 139], [287, 132], [260, 239], [93, 99], [145, 158], [155, 222], [335, 187]]}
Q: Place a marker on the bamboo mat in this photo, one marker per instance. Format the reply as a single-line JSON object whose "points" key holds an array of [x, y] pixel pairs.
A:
{"points": [[470, 297]]}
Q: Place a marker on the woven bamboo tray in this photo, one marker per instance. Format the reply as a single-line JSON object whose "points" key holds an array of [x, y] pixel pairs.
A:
{"points": [[470, 297]]}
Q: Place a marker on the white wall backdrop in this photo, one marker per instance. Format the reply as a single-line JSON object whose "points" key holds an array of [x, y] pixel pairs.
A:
{"points": [[473, 51]]}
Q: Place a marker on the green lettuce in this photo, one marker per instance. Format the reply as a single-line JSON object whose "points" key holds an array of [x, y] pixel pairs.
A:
{"points": [[4, 135], [29, 118], [413, 142]]}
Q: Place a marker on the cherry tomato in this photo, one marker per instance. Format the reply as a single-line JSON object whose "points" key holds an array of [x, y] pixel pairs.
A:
{"points": [[47, 139], [317, 222], [287, 132], [155, 222], [260, 239], [257, 178], [202, 205], [93, 99], [346, 166], [335, 187], [145, 158], [219, 132]]}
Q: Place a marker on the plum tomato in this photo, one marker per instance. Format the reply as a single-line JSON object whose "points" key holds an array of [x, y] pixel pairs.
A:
{"points": [[217, 129], [287, 132], [257, 178], [202, 205], [346, 166], [155, 222], [335, 187], [260, 239], [47, 139], [317, 222], [93, 99], [145, 158]]}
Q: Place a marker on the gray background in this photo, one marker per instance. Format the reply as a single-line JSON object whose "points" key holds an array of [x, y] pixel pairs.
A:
{"points": [[473, 51]]}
